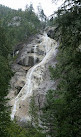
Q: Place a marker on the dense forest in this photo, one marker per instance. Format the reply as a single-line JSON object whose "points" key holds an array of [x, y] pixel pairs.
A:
{"points": [[19, 25], [61, 114]]}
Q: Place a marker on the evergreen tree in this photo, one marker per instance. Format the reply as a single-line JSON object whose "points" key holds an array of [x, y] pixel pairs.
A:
{"points": [[5, 75], [33, 111], [67, 105]]}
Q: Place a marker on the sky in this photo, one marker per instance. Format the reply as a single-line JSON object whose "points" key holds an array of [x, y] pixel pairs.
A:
{"points": [[47, 5]]}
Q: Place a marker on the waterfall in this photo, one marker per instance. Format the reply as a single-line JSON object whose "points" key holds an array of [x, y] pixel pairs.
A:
{"points": [[27, 89], [14, 109]]}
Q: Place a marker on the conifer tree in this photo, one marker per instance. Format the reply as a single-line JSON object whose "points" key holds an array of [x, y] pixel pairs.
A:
{"points": [[68, 72]]}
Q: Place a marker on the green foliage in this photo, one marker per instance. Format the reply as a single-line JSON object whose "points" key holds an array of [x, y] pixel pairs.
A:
{"points": [[5, 75], [4, 11], [49, 121], [19, 25], [64, 104], [15, 130], [33, 111]]}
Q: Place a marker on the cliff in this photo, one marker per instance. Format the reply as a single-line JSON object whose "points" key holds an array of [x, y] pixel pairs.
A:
{"points": [[32, 76]]}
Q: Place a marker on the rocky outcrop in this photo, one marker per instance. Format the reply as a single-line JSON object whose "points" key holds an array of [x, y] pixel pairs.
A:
{"points": [[15, 21], [50, 33], [53, 33], [32, 76]]}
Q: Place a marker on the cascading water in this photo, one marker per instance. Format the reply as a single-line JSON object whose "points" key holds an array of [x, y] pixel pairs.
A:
{"points": [[50, 47]]}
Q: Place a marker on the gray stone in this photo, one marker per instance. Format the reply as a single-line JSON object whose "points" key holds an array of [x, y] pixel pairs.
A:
{"points": [[33, 61]]}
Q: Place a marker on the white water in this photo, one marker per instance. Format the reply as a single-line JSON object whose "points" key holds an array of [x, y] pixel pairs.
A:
{"points": [[14, 109], [27, 89]]}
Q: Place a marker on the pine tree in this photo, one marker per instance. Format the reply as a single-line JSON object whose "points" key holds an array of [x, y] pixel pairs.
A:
{"points": [[68, 72]]}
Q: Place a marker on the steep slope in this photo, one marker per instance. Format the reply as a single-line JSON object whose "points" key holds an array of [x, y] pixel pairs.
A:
{"points": [[19, 25], [40, 53]]}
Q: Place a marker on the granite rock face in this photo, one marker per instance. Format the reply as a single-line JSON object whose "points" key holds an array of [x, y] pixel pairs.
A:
{"points": [[32, 76], [53, 33]]}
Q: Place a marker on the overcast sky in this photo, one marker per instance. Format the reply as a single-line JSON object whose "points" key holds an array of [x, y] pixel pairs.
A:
{"points": [[47, 5]]}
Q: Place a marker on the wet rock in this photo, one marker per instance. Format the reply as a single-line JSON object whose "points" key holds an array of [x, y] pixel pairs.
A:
{"points": [[51, 34], [31, 61], [18, 90], [23, 62], [32, 75]]}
